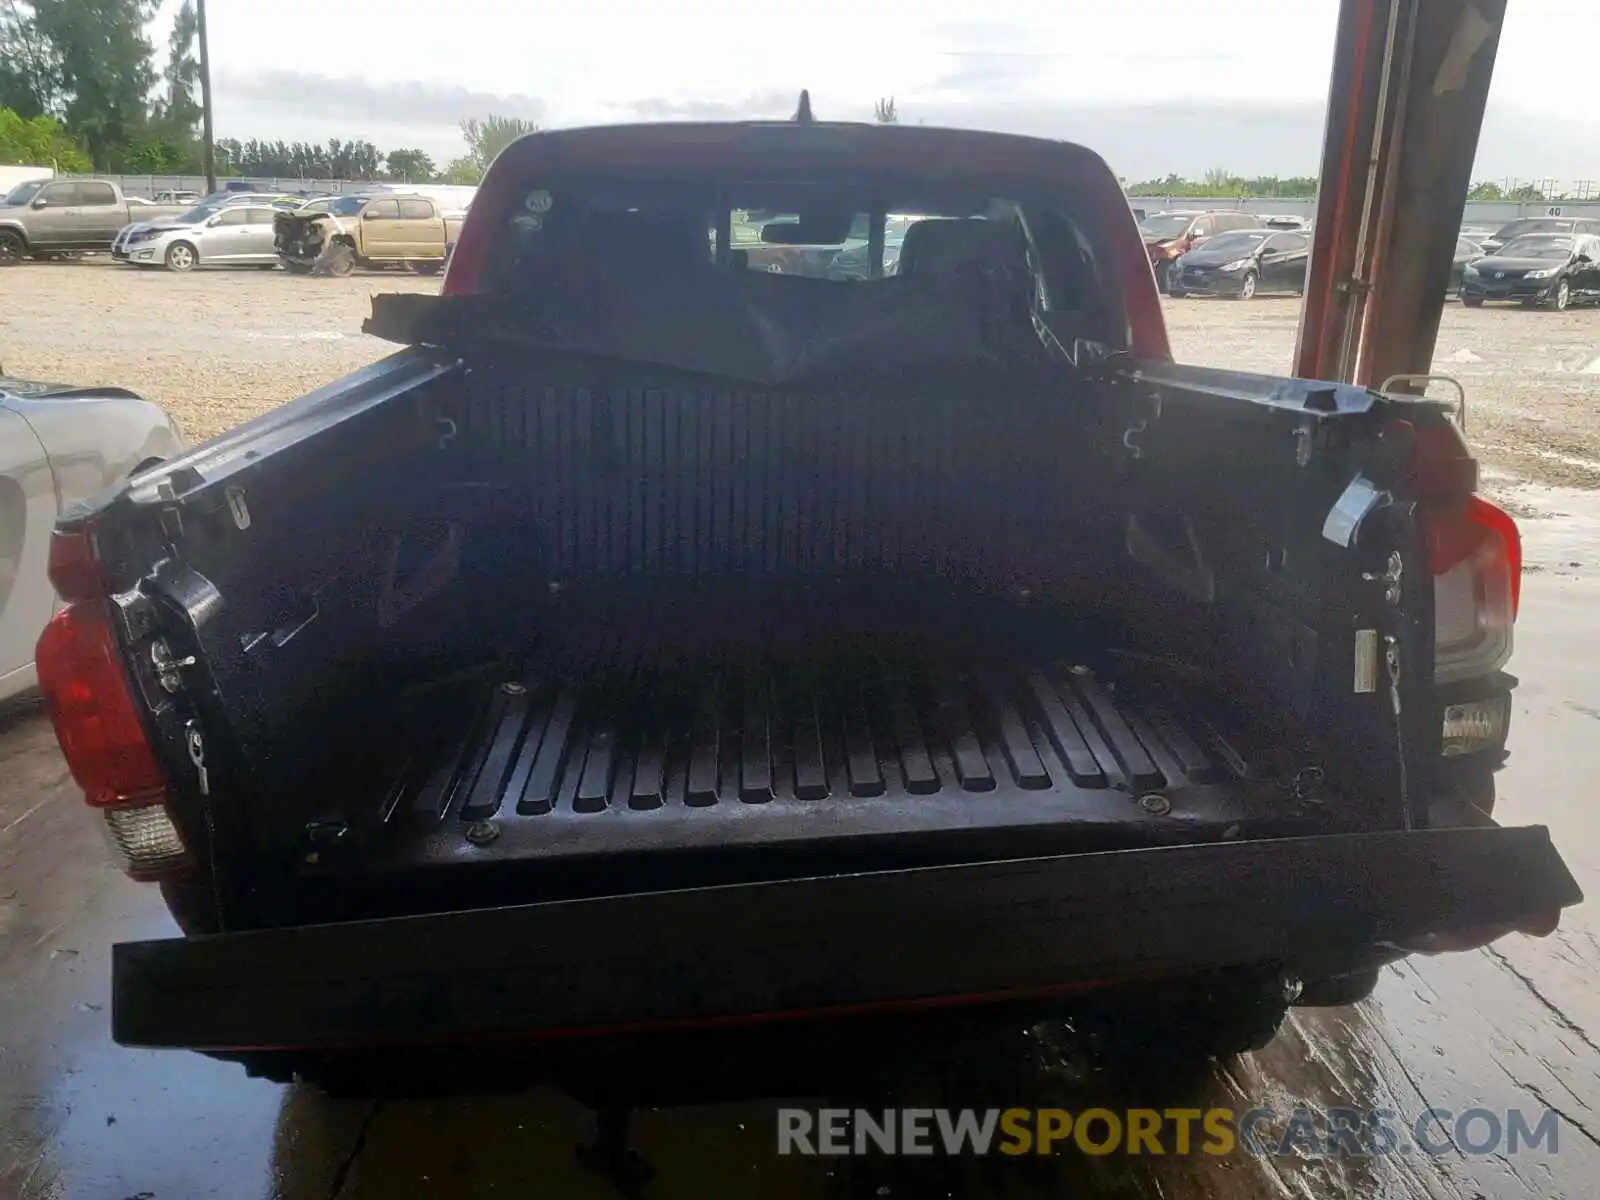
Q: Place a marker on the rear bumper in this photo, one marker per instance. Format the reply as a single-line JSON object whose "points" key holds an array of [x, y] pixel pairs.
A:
{"points": [[824, 947]]}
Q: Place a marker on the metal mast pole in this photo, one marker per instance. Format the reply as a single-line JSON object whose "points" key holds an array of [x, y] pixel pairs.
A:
{"points": [[205, 99]]}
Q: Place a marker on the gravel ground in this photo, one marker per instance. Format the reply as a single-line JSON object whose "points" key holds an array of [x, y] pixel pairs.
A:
{"points": [[1532, 377], [218, 347], [213, 347]]}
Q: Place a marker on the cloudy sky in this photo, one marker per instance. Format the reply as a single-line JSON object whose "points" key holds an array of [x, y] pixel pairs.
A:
{"points": [[1154, 85]]}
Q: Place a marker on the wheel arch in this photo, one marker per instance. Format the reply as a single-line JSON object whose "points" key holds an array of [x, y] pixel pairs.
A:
{"points": [[14, 229]]}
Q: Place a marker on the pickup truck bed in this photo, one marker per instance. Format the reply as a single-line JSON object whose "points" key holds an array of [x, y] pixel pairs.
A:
{"points": [[657, 643], [895, 740]]}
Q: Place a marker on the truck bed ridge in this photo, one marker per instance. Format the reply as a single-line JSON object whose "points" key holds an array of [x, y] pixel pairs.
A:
{"points": [[758, 731]]}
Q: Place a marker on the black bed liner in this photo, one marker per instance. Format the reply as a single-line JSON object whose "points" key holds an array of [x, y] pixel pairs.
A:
{"points": [[861, 743]]}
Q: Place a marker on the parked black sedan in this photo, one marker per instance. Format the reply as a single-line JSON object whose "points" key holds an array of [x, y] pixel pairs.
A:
{"points": [[1557, 270], [1244, 264]]}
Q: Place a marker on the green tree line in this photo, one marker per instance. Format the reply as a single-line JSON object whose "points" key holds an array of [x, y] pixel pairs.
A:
{"points": [[359, 159], [79, 91], [38, 141], [1224, 184], [1529, 193]]}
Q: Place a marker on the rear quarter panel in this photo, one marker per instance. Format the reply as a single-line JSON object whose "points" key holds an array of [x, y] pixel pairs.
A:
{"points": [[58, 446], [430, 236], [27, 514], [94, 439]]}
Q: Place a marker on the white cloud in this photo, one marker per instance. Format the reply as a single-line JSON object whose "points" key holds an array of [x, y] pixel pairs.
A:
{"points": [[1156, 85]]}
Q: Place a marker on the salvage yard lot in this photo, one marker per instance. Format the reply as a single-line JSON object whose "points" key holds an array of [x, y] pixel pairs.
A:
{"points": [[218, 347], [213, 348], [1513, 1028]]}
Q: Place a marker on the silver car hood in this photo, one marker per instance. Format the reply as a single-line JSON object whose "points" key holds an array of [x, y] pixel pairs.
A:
{"points": [[33, 389]]}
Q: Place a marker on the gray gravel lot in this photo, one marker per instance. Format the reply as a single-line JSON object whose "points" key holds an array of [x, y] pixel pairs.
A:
{"points": [[218, 347], [213, 347], [1532, 377]]}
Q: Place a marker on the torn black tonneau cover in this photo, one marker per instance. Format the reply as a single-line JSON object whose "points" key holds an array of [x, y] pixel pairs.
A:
{"points": [[744, 325]]}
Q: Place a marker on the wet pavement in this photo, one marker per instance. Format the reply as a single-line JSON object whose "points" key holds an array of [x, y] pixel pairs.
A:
{"points": [[1513, 1027]]}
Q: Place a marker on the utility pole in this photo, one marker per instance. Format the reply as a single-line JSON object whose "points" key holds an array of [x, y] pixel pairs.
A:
{"points": [[210, 150]]}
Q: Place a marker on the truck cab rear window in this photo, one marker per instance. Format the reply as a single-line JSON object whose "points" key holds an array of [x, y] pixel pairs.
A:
{"points": [[581, 237], [782, 244]]}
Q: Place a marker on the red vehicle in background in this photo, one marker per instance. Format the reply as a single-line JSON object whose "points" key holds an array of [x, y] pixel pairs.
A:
{"points": [[1170, 235]]}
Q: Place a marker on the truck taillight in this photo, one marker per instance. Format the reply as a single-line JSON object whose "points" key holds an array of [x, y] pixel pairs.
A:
{"points": [[86, 689], [1476, 556], [98, 724]]}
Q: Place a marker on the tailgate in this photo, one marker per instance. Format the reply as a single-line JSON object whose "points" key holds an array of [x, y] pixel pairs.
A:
{"points": [[828, 946]]}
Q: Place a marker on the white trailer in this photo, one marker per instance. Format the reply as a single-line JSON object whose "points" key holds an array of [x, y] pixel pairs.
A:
{"points": [[10, 176]]}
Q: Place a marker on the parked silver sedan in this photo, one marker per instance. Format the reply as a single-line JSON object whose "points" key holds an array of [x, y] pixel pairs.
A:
{"points": [[199, 212], [58, 445], [229, 233]]}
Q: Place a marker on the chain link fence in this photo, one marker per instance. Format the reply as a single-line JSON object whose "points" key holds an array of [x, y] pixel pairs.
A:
{"points": [[1477, 212], [149, 186]]}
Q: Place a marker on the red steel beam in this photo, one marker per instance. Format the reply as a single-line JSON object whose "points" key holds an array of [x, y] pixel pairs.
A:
{"points": [[1408, 88], [1347, 149]]}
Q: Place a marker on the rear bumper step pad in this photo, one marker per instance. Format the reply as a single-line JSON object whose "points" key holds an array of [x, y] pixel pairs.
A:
{"points": [[1318, 905]]}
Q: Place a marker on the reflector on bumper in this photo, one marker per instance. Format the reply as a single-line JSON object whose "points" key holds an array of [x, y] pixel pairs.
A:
{"points": [[146, 842], [1476, 725]]}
